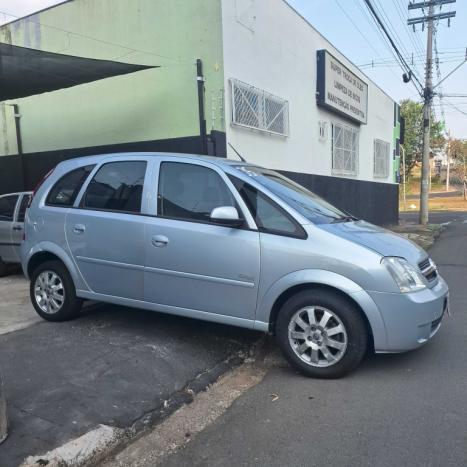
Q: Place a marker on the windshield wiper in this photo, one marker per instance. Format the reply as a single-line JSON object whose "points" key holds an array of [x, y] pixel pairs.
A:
{"points": [[344, 219]]}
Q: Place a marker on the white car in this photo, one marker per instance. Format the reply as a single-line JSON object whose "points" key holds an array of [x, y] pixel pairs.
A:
{"points": [[12, 211]]}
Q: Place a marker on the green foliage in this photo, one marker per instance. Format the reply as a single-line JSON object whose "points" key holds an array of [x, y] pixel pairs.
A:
{"points": [[458, 152], [413, 144]]}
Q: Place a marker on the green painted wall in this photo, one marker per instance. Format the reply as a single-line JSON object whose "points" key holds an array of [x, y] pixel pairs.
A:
{"points": [[153, 104], [396, 136]]}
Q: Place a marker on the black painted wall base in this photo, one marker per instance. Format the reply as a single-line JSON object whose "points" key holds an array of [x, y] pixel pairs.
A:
{"points": [[18, 173], [373, 201]]}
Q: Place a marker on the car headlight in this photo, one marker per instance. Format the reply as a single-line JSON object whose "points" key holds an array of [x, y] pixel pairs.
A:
{"points": [[407, 278]]}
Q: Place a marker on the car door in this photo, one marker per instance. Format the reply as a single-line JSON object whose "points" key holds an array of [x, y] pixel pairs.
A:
{"points": [[105, 230], [192, 264], [7, 213], [18, 224]]}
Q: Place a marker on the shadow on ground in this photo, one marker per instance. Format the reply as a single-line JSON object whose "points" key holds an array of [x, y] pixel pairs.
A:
{"points": [[112, 366]]}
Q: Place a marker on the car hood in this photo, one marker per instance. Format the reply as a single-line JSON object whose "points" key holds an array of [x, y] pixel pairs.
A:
{"points": [[383, 241]]}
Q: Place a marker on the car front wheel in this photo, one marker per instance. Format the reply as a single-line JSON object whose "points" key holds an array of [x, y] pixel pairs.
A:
{"points": [[53, 292], [322, 334]]}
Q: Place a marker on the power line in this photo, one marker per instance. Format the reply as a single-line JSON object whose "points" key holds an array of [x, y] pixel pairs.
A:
{"points": [[359, 30], [378, 33], [356, 27], [413, 39], [403, 63], [456, 108]]}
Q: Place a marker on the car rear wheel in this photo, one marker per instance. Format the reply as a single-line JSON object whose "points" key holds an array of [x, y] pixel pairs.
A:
{"points": [[321, 334], [53, 293]]}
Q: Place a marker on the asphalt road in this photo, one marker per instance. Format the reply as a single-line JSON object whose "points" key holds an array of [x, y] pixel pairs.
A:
{"points": [[404, 410], [112, 366], [440, 194], [435, 217]]}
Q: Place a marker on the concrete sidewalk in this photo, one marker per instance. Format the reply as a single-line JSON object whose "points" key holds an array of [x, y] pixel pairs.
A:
{"points": [[115, 366]]}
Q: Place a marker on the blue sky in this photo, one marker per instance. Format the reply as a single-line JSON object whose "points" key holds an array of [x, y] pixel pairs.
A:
{"points": [[347, 24]]}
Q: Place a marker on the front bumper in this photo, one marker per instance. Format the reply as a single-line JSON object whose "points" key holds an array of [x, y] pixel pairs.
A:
{"points": [[411, 319]]}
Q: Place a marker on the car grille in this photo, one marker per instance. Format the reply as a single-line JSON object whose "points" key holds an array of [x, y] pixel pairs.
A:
{"points": [[428, 269]]}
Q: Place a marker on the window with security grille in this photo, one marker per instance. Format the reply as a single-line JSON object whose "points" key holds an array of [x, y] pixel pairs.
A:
{"points": [[381, 159], [255, 108], [344, 150]]}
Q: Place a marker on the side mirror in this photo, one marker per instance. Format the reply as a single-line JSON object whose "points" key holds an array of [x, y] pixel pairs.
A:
{"points": [[226, 215]]}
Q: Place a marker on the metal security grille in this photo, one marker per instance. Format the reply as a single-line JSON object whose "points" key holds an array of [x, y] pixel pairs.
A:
{"points": [[381, 159], [255, 108], [344, 150]]}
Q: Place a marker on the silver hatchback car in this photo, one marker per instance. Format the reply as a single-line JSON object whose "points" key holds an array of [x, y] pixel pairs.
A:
{"points": [[233, 243], [12, 210]]}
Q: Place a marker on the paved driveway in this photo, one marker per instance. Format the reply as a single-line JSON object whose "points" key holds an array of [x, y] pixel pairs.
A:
{"points": [[113, 365]]}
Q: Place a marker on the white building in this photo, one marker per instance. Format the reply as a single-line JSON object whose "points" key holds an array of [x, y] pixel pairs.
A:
{"points": [[273, 88], [334, 122]]}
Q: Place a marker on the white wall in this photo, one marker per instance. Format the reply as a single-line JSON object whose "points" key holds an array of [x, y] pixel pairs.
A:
{"points": [[268, 45]]}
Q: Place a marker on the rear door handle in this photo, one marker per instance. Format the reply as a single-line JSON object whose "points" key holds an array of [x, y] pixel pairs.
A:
{"points": [[17, 227], [79, 228], [159, 241]]}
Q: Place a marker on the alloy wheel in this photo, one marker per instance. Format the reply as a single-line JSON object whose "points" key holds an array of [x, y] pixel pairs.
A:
{"points": [[49, 292], [317, 336]]}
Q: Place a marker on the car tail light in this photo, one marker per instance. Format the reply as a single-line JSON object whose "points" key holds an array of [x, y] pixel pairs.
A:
{"points": [[36, 189]]}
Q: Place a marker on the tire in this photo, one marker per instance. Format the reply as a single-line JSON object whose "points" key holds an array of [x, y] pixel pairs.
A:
{"points": [[308, 348], [50, 281], [3, 268]]}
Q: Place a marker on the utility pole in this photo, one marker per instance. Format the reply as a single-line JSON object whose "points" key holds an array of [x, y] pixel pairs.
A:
{"points": [[428, 93], [448, 155]]}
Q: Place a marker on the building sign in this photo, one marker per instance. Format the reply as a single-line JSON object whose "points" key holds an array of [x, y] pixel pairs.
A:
{"points": [[340, 90]]}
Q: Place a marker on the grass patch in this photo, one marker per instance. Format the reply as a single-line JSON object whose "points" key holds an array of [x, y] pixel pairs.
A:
{"points": [[437, 204]]}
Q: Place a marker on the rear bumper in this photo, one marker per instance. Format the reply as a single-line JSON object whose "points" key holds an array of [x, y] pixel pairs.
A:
{"points": [[411, 319]]}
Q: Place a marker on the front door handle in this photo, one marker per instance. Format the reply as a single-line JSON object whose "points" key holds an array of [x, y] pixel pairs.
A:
{"points": [[17, 227], [159, 241], [79, 228]]}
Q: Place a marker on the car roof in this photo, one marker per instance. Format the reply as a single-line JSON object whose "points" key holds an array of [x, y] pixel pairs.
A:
{"points": [[219, 161]]}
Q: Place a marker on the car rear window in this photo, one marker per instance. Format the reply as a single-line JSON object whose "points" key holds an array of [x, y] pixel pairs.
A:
{"points": [[117, 186], [65, 191]]}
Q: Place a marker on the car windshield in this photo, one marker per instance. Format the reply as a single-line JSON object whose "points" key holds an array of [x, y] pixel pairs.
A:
{"points": [[299, 198]]}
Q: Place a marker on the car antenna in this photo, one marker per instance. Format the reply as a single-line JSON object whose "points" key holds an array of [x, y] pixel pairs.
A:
{"points": [[238, 154]]}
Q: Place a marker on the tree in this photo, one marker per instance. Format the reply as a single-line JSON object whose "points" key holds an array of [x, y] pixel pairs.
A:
{"points": [[458, 152], [412, 112]]}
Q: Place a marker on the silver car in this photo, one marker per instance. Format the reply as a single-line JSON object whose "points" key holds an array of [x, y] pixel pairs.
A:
{"points": [[232, 243], [12, 209]]}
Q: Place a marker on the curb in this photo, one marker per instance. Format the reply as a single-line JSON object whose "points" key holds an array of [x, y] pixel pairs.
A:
{"points": [[98, 444]]}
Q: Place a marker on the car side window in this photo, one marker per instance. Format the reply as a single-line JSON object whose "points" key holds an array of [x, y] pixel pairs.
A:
{"points": [[117, 186], [65, 191], [190, 192], [7, 207], [269, 216], [22, 208]]}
